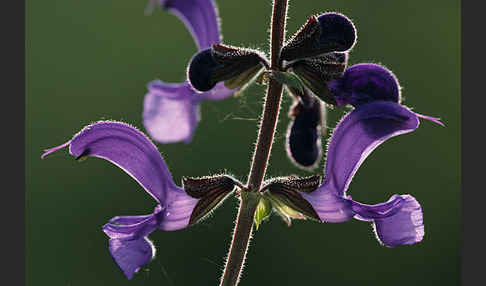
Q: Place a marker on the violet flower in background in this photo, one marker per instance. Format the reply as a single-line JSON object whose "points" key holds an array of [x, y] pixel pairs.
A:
{"points": [[171, 110], [129, 149]]}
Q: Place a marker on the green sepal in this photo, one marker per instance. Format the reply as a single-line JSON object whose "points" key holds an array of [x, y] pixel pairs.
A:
{"points": [[263, 211], [316, 72], [284, 194], [210, 190], [289, 79], [243, 78], [283, 210], [237, 66]]}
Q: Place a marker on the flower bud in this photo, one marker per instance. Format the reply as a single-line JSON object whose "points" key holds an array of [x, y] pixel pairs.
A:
{"points": [[329, 32], [263, 211], [364, 83], [235, 66], [210, 191], [303, 142]]}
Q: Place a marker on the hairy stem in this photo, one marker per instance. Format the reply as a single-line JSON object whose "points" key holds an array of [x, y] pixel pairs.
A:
{"points": [[250, 196], [272, 100], [241, 238]]}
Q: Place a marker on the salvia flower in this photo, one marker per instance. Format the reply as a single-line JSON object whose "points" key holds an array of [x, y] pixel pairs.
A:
{"points": [[397, 221], [171, 110], [378, 115], [129, 149]]}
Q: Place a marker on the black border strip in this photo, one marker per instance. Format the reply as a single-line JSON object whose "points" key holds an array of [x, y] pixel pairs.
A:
{"points": [[12, 23], [473, 145]]}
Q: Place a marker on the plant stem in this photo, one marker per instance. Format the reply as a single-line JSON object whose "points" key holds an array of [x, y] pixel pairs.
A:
{"points": [[272, 100], [250, 195], [241, 238]]}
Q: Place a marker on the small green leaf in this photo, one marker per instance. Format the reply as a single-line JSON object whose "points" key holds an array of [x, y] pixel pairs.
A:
{"points": [[263, 211], [291, 80]]}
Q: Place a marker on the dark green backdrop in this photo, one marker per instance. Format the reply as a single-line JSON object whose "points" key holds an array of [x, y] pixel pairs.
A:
{"points": [[91, 60]]}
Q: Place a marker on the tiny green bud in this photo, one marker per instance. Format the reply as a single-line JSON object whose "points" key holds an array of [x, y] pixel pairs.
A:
{"points": [[263, 211]]}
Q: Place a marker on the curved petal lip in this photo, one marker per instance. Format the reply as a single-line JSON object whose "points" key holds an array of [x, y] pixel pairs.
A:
{"points": [[131, 255], [129, 149]]}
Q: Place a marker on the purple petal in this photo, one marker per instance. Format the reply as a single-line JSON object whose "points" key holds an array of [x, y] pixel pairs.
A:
{"points": [[178, 212], [129, 149], [364, 83], [329, 206], [382, 210], [218, 92], [131, 255], [200, 18], [127, 220], [171, 112], [128, 244], [357, 135], [132, 227], [401, 223]]}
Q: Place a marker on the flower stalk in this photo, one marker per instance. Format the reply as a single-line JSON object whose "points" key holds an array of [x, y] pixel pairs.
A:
{"points": [[250, 195], [272, 100]]}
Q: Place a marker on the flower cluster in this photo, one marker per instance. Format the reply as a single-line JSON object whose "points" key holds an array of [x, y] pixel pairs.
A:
{"points": [[316, 75]]}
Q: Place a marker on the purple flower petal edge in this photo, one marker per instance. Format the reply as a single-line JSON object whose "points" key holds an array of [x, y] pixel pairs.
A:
{"points": [[132, 151], [200, 18], [129, 149], [399, 220], [131, 255], [399, 224], [171, 110]]}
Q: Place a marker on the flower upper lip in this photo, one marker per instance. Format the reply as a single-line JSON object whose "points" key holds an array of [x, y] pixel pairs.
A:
{"points": [[177, 104]]}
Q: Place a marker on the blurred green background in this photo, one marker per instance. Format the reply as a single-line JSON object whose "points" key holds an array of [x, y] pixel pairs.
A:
{"points": [[91, 60]]}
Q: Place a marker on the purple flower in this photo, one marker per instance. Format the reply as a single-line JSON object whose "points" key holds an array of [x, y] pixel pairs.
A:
{"points": [[129, 149], [378, 116], [171, 110]]}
